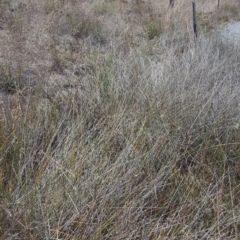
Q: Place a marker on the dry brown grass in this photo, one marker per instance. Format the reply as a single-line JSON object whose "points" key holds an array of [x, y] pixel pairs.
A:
{"points": [[115, 124]]}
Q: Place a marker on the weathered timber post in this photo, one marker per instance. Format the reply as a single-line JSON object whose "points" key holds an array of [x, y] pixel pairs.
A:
{"points": [[171, 3], [194, 20]]}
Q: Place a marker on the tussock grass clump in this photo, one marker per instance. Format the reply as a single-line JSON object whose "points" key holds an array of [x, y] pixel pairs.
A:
{"points": [[154, 31], [115, 144], [160, 148]]}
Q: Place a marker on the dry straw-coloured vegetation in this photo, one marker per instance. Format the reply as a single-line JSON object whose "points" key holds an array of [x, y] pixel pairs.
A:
{"points": [[114, 124]]}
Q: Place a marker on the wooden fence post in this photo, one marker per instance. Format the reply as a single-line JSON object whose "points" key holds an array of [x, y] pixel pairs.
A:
{"points": [[171, 4], [194, 20]]}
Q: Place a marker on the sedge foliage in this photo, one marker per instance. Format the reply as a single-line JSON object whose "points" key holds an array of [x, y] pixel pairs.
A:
{"points": [[114, 132]]}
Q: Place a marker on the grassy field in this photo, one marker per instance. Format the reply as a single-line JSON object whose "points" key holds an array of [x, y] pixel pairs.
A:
{"points": [[115, 123]]}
